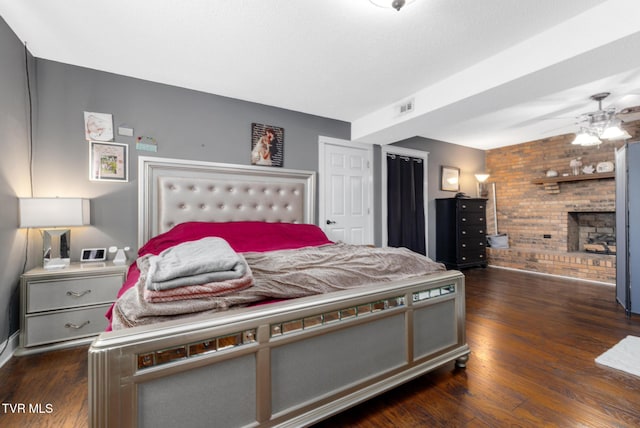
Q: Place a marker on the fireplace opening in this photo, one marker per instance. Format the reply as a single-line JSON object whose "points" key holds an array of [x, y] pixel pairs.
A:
{"points": [[591, 232]]}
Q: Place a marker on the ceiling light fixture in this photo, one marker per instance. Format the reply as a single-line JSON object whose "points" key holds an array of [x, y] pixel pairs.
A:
{"points": [[395, 4], [600, 125]]}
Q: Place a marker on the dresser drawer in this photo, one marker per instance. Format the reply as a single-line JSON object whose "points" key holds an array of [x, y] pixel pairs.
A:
{"points": [[472, 257], [65, 325], [471, 231], [469, 245], [471, 205], [72, 292], [472, 218]]}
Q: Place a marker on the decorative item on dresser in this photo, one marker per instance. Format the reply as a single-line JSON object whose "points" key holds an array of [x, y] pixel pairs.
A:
{"points": [[66, 307], [461, 228]]}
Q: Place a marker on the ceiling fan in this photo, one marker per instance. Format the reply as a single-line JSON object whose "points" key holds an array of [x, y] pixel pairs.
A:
{"points": [[602, 124]]}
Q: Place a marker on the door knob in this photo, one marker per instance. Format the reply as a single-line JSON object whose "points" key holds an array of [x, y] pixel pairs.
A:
{"points": [[331, 222]]}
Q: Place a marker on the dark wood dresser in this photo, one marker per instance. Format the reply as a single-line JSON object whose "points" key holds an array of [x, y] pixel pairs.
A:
{"points": [[461, 228]]}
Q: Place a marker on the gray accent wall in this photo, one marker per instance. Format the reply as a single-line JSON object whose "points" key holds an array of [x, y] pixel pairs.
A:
{"points": [[14, 175], [186, 124]]}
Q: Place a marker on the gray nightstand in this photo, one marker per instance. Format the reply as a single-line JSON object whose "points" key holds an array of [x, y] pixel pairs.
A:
{"points": [[66, 307]]}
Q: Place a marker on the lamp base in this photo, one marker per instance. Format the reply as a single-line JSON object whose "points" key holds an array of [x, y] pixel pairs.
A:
{"points": [[50, 264]]}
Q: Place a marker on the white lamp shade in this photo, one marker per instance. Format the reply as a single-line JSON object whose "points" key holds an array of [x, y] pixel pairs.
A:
{"points": [[482, 177], [54, 212]]}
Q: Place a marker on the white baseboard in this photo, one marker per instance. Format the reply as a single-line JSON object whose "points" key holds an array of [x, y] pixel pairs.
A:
{"points": [[10, 349]]}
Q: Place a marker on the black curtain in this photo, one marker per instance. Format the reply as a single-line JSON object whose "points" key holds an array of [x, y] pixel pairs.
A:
{"points": [[405, 203]]}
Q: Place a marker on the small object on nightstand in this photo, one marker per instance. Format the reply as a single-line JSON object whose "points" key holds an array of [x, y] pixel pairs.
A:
{"points": [[121, 257], [93, 255]]}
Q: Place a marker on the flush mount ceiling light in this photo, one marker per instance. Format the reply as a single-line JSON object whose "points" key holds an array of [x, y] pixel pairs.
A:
{"points": [[600, 125], [395, 4]]}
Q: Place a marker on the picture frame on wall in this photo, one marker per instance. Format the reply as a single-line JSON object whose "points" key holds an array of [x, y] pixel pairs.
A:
{"points": [[98, 126], [450, 179], [108, 161], [267, 145]]}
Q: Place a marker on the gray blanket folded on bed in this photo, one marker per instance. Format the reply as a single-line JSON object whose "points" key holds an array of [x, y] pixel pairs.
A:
{"points": [[192, 263], [286, 274]]}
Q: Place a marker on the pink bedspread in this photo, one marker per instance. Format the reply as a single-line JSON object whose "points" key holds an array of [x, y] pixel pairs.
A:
{"points": [[243, 236]]}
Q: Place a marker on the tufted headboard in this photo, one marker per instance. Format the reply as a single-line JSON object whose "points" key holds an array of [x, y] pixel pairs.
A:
{"points": [[173, 191]]}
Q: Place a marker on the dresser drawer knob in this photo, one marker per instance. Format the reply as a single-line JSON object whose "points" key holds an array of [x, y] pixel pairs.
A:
{"points": [[464, 232], [78, 293], [464, 219], [464, 207], [76, 326], [464, 245]]}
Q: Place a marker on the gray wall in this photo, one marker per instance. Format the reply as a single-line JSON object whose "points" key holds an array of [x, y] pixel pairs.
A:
{"points": [[14, 176], [186, 124], [470, 161]]}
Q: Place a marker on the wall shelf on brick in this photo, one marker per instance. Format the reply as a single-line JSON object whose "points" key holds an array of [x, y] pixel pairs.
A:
{"points": [[552, 184]]}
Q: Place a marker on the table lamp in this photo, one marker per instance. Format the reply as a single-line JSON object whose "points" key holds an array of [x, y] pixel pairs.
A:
{"points": [[53, 216]]}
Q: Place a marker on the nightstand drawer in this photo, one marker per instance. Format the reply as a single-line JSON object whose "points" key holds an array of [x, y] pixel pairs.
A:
{"points": [[69, 293], [65, 325]]}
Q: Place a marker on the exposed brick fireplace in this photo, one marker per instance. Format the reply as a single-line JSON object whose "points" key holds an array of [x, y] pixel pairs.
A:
{"points": [[591, 232], [540, 219]]}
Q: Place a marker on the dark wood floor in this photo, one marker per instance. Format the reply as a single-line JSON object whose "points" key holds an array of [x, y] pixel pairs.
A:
{"points": [[533, 340]]}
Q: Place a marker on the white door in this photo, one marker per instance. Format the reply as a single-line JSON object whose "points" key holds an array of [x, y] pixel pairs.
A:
{"points": [[346, 190]]}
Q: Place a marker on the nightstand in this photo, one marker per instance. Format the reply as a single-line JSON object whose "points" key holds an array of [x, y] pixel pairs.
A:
{"points": [[66, 307]]}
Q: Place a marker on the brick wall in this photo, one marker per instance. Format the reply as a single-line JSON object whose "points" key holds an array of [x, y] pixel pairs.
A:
{"points": [[536, 220]]}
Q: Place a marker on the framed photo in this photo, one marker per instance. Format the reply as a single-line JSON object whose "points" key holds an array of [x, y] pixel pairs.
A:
{"points": [[98, 126], [108, 161], [450, 179], [267, 145]]}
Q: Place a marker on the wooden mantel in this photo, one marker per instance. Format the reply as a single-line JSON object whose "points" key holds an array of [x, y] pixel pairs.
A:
{"points": [[552, 184]]}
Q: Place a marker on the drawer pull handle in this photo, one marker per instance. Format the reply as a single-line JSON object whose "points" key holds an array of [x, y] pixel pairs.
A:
{"points": [[78, 293], [76, 326]]}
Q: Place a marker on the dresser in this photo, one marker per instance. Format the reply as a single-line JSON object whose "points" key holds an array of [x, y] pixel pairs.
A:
{"points": [[66, 307], [461, 227]]}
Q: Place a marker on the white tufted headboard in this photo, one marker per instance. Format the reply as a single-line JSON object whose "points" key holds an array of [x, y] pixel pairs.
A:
{"points": [[173, 191]]}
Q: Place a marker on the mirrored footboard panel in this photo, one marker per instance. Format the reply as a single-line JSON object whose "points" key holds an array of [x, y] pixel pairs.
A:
{"points": [[284, 364]]}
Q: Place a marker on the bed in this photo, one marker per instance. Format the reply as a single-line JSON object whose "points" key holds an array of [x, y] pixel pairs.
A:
{"points": [[291, 362]]}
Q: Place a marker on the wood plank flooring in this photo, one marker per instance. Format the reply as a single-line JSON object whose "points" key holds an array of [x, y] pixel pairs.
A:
{"points": [[533, 340]]}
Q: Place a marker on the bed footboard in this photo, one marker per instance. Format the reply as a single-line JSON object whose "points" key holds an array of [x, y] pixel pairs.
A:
{"points": [[285, 364]]}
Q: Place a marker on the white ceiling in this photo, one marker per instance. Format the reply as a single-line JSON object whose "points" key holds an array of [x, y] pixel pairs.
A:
{"points": [[482, 74]]}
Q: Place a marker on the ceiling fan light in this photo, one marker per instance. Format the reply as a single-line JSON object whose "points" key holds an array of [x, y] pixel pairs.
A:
{"points": [[614, 133], [586, 139]]}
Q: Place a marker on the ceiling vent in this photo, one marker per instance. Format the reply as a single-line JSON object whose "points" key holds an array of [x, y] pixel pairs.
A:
{"points": [[407, 106]]}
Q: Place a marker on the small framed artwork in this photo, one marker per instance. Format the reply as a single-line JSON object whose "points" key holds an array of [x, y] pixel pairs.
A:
{"points": [[98, 126], [108, 161], [450, 179], [267, 145]]}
